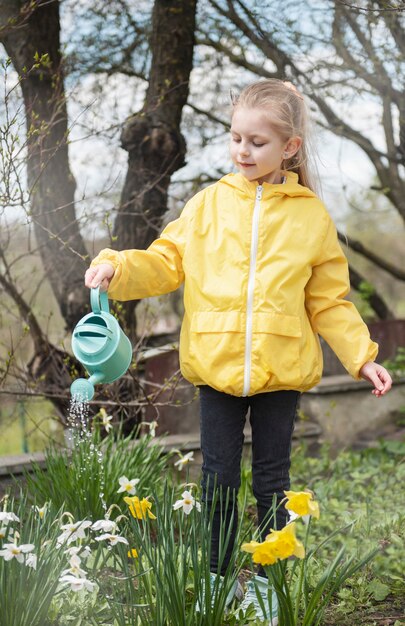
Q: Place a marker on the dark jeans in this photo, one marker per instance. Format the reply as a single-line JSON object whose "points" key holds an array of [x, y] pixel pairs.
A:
{"points": [[222, 419]]}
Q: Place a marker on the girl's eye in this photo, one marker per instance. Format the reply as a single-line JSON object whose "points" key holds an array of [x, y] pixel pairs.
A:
{"points": [[258, 145], [236, 139]]}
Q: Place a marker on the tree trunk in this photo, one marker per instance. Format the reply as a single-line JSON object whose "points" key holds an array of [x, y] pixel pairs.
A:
{"points": [[30, 34], [152, 137]]}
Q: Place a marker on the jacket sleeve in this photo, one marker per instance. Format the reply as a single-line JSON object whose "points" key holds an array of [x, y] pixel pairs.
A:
{"points": [[152, 272], [334, 318]]}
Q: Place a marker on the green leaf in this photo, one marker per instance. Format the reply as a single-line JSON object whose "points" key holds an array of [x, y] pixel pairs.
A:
{"points": [[378, 590]]}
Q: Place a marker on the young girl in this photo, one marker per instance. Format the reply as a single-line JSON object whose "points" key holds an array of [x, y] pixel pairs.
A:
{"points": [[263, 276]]}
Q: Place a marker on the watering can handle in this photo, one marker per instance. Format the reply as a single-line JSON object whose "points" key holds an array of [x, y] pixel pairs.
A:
{"points": [[99, 301]]}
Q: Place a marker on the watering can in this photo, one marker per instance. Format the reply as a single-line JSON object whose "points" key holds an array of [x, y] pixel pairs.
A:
{"points": [[99, 343]]}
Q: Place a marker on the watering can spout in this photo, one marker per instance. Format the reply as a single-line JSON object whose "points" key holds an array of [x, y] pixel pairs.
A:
{"points": [[83, 388]]}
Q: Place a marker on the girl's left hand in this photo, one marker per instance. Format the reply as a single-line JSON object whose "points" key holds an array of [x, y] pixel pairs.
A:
{"points": [[378, 376]]}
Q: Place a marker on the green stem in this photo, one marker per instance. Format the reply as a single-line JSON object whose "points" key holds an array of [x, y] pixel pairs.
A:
{"points": [[303, 571]]}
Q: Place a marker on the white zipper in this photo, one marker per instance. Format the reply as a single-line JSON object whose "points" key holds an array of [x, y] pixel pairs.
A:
{"points": [[250, 291]]}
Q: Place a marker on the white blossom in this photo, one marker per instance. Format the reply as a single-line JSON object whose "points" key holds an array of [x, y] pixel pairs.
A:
{"points": [[41, 511], [74, 568], [31, 561], [128, 486], [113, 539], [8, 516], [187, 503], [183, 460], [84, 552], [4, 532], [77, 584], [104, 524], [71, 532], [13, 551], [105, 420]]}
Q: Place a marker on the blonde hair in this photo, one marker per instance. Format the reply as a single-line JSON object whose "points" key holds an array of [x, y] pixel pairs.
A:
{"points": [[289, 118]]}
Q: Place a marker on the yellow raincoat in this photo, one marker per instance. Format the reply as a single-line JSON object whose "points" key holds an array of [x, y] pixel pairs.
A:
{"points": [[263, 275]]}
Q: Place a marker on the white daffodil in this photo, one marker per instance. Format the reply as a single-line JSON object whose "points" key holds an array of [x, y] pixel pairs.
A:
{"points": [[84, 552], [104, 524], [105, 420], [187, 503], [127, 486], [41, 511], [183, 460], [13, 551], [152, 428], [113, 539], [71, 532], [77, 584], [31, 561], [8, 516], [4, 532], [74, 568]]}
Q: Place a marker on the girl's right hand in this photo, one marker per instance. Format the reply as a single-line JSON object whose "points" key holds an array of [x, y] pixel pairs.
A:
{"points": [[99, 276]]}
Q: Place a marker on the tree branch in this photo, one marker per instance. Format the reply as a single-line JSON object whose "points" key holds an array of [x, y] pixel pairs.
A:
{"points": [[357, 246], [374, 299]]}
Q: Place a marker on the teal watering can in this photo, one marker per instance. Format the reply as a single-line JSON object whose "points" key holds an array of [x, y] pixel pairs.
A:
{"points": [[99, 343]]}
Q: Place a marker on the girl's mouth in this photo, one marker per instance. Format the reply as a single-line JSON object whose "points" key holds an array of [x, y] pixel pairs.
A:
{"points": [[246, 164]]}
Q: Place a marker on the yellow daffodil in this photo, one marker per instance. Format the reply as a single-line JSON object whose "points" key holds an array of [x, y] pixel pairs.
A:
{"points": [[302, 503], [278, 545], [139, 508], [133, 554], [250, 547], [264, 554], [284, 543]]}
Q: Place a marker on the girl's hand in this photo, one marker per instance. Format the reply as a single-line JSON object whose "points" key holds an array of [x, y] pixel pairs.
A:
{"points": [[99, 276], [378, 376]]}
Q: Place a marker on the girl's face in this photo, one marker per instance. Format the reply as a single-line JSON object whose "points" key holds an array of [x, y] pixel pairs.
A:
{"points": [[257, 149]]}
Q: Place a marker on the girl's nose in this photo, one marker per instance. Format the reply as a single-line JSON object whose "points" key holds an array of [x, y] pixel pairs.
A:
{"points": [[243, 150]]}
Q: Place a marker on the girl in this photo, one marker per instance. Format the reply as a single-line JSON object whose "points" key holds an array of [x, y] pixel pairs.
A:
{"points": [[264, 275]]}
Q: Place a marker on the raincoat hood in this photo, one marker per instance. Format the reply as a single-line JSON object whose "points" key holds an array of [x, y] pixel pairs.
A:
{"points": [[290, 188]]}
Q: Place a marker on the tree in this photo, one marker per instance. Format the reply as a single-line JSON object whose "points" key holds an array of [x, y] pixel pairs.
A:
{"points": [[30, 34]]}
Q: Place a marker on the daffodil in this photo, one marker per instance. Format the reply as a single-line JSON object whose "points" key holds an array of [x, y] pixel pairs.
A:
{"points": [[31, 560], [184, 460], [105, 420], [188, 502], [140, 508], [133, 553], [77, 584], [13, 551], [84, 552], [152, 428], [302, 503], [8, 516], [113, 539], [284, 543], [105, 525], [73, 531], [3, 532], [278, 545], [128, 486], [74, 569], [41, 511]]}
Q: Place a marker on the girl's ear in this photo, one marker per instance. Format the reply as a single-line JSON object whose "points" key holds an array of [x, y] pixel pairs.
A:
{"points": [[292, 147]]}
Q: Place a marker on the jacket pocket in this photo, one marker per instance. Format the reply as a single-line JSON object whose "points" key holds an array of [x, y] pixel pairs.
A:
{"points": [[216, 348], [276, 346]]}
